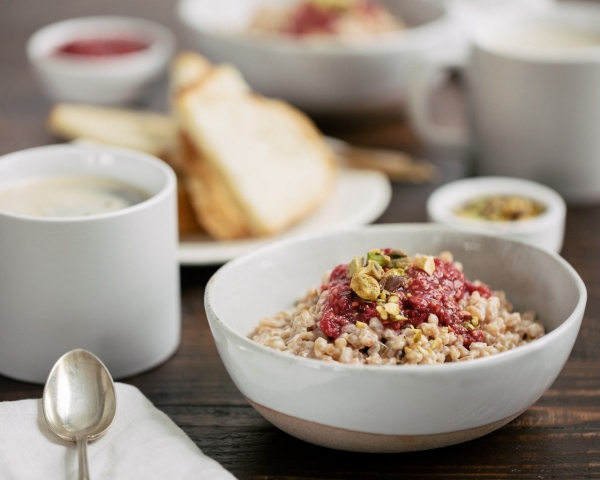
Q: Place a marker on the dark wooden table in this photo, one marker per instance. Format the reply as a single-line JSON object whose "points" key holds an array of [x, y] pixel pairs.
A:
{"points": [[559, 437]]}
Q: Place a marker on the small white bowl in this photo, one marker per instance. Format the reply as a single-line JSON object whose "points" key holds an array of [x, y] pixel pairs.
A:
{"points": [[327, 77], [392, 408], [107, 80], [546, 230]]}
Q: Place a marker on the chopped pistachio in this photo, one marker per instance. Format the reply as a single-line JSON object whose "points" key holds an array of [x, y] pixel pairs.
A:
{"points": [[475, 321], [407, 350], [417, 335], [382, 295], [373, 269], [355, 265], [426, 263], [392, 308], [399, 318], [398, 253], [436, 343], [393, 279], [365, 286], [360, 325], [381, 311], [399, 259], [422, 350], [468, 326], [378, 257], [394, 299]]}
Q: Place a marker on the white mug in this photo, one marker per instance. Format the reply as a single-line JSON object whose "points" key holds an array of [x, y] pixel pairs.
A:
{"points": [[107, 283], [533, 83]]}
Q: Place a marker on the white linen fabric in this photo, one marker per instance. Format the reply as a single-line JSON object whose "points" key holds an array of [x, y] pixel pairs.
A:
{"points": [[142, 443]]}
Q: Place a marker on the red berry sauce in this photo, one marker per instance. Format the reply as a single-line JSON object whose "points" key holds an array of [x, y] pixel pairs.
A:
{"points": [[420, 295], [102, 47]]}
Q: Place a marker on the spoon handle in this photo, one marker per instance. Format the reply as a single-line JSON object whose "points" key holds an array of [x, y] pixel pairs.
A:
{"points": [[83, 460]]}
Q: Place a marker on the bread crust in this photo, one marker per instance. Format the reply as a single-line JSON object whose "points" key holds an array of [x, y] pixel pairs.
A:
{"points": [[255, 225]]}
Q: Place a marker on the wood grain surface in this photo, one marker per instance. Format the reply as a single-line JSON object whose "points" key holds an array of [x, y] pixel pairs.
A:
{"points": [[558, 437]]}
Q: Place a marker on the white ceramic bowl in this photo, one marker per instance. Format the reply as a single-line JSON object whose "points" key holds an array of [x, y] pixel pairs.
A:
{"points": [[546, 230], [109, 80], [330, 76], [392, 408]]}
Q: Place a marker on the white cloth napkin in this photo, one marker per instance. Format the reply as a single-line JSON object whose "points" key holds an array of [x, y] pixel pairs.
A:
{"points": [[142, 443]]}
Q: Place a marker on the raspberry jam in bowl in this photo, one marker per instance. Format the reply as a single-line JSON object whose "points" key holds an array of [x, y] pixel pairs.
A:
{"points": [[100, 60], [102, 47], [353, 394]]}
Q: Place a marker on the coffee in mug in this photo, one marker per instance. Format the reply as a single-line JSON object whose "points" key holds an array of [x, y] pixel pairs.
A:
{"points": [[69, 196]]}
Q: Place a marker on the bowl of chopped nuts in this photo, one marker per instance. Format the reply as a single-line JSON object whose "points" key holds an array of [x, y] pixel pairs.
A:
{"points": [[394, 338], [503, 206]]}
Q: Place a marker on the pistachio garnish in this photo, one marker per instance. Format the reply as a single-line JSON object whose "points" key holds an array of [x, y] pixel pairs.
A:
{"points": [[373, 269], [365, 286], [360, 324], [403, 262], [355, 265], [378, 257], [394, 299], [382, 313], [426, 263], [417, 335], [392, 309], [397, 253], [393, 279]]}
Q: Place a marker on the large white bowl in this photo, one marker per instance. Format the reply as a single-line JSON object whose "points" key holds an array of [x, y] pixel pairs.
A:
{"points": [[392, 408], [330, 76]]}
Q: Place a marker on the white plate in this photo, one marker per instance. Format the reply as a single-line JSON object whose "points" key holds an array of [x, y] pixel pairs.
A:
{"points": [[360, 197]]}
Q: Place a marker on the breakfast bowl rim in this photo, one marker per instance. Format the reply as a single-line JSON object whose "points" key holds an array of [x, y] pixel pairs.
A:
{"points": [[573, 320], [395, 42]]}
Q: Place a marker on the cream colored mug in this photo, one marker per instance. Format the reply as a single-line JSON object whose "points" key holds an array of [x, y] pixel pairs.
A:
{"points": [[106, 282], [533, 88]]}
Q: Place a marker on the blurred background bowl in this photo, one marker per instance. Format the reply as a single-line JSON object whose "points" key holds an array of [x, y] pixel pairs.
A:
{"points": [[392, 408], [327, 76], [546, 230], [108, 79]]}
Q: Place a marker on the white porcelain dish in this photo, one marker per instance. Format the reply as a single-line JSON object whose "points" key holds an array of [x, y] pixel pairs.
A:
{"points": [[108, 80], [343, 209], [324, 77], [392, 408], [546, 230]]}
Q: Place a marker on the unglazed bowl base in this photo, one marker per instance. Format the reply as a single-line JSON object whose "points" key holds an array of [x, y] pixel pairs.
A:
{"points": [[353, 441]]}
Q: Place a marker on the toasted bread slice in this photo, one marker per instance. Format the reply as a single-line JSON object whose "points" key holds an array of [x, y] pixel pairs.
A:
{"points": [[149, 132], [192, 71], [187, 69], [268, 156]]}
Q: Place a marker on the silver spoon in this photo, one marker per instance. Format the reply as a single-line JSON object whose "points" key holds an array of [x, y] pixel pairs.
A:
{"points": [[79, 401]]}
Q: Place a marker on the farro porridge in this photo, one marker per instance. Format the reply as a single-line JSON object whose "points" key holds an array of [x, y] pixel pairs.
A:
{"points": [[387, 309]]}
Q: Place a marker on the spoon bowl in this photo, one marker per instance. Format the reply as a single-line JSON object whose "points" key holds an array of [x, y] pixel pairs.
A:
{"points": [[79, 401]]}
